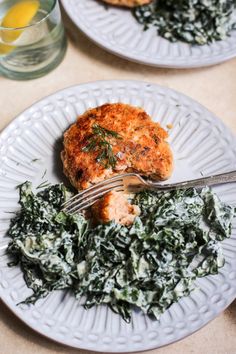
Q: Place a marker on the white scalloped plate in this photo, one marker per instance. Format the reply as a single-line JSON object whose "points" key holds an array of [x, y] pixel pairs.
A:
{"points": [[116, 30], [201, 145]]}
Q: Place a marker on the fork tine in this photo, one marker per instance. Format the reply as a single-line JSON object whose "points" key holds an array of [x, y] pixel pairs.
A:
{"points": [[90, 202], [90, 194], [94, 197], [87, 190]]}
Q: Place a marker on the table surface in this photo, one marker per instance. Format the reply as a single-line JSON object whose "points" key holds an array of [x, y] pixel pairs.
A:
{"points": [[214, 87]]}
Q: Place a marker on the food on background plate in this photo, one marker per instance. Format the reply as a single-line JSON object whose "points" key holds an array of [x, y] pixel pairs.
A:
{"points": [[192, 21], [127, 3]]}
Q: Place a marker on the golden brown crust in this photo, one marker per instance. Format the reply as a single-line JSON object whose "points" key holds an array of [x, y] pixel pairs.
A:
{"points": [[142, 149], [127, 3]]}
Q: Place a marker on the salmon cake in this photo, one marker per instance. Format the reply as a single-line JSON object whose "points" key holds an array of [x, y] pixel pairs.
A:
{"points": [[115, 206], [113, 139], [127, 3]]}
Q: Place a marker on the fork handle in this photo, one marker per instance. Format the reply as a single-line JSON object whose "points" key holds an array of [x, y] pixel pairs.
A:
{"points": [[222, 178]]}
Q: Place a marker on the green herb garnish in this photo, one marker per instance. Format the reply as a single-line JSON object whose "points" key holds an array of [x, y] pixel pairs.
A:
{"points": [[192, 21], [44, 174], [147, 265], [42, 185], [99, 141], [35, 160]]}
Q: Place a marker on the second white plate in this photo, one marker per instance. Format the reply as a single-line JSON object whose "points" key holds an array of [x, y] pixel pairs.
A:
{"points": [[116, 30]]}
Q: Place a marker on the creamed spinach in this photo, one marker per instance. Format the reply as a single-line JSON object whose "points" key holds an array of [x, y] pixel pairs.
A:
{"points": [[192, 21], [148, 265]]}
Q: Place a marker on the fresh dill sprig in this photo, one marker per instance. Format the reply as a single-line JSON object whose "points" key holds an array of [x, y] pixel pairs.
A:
{"points": [[99, 141], [35, 160], [44, 173], [44, 184]]}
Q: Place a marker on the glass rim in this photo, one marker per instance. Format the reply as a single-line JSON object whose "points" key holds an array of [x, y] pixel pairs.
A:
{"points": [[2, 28]]}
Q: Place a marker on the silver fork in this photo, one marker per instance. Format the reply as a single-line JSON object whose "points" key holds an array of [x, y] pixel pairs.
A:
{"points": [[133, 183]]}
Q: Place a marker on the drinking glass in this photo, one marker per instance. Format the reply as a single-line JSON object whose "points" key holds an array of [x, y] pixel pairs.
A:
{"points": [[33, 50]]}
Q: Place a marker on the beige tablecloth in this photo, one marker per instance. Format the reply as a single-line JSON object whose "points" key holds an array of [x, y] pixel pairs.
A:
{"points": [[214, 87]]}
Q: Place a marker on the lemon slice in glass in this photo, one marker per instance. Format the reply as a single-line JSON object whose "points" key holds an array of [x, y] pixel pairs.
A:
{"points": [[19, 15], [5, 48]]}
